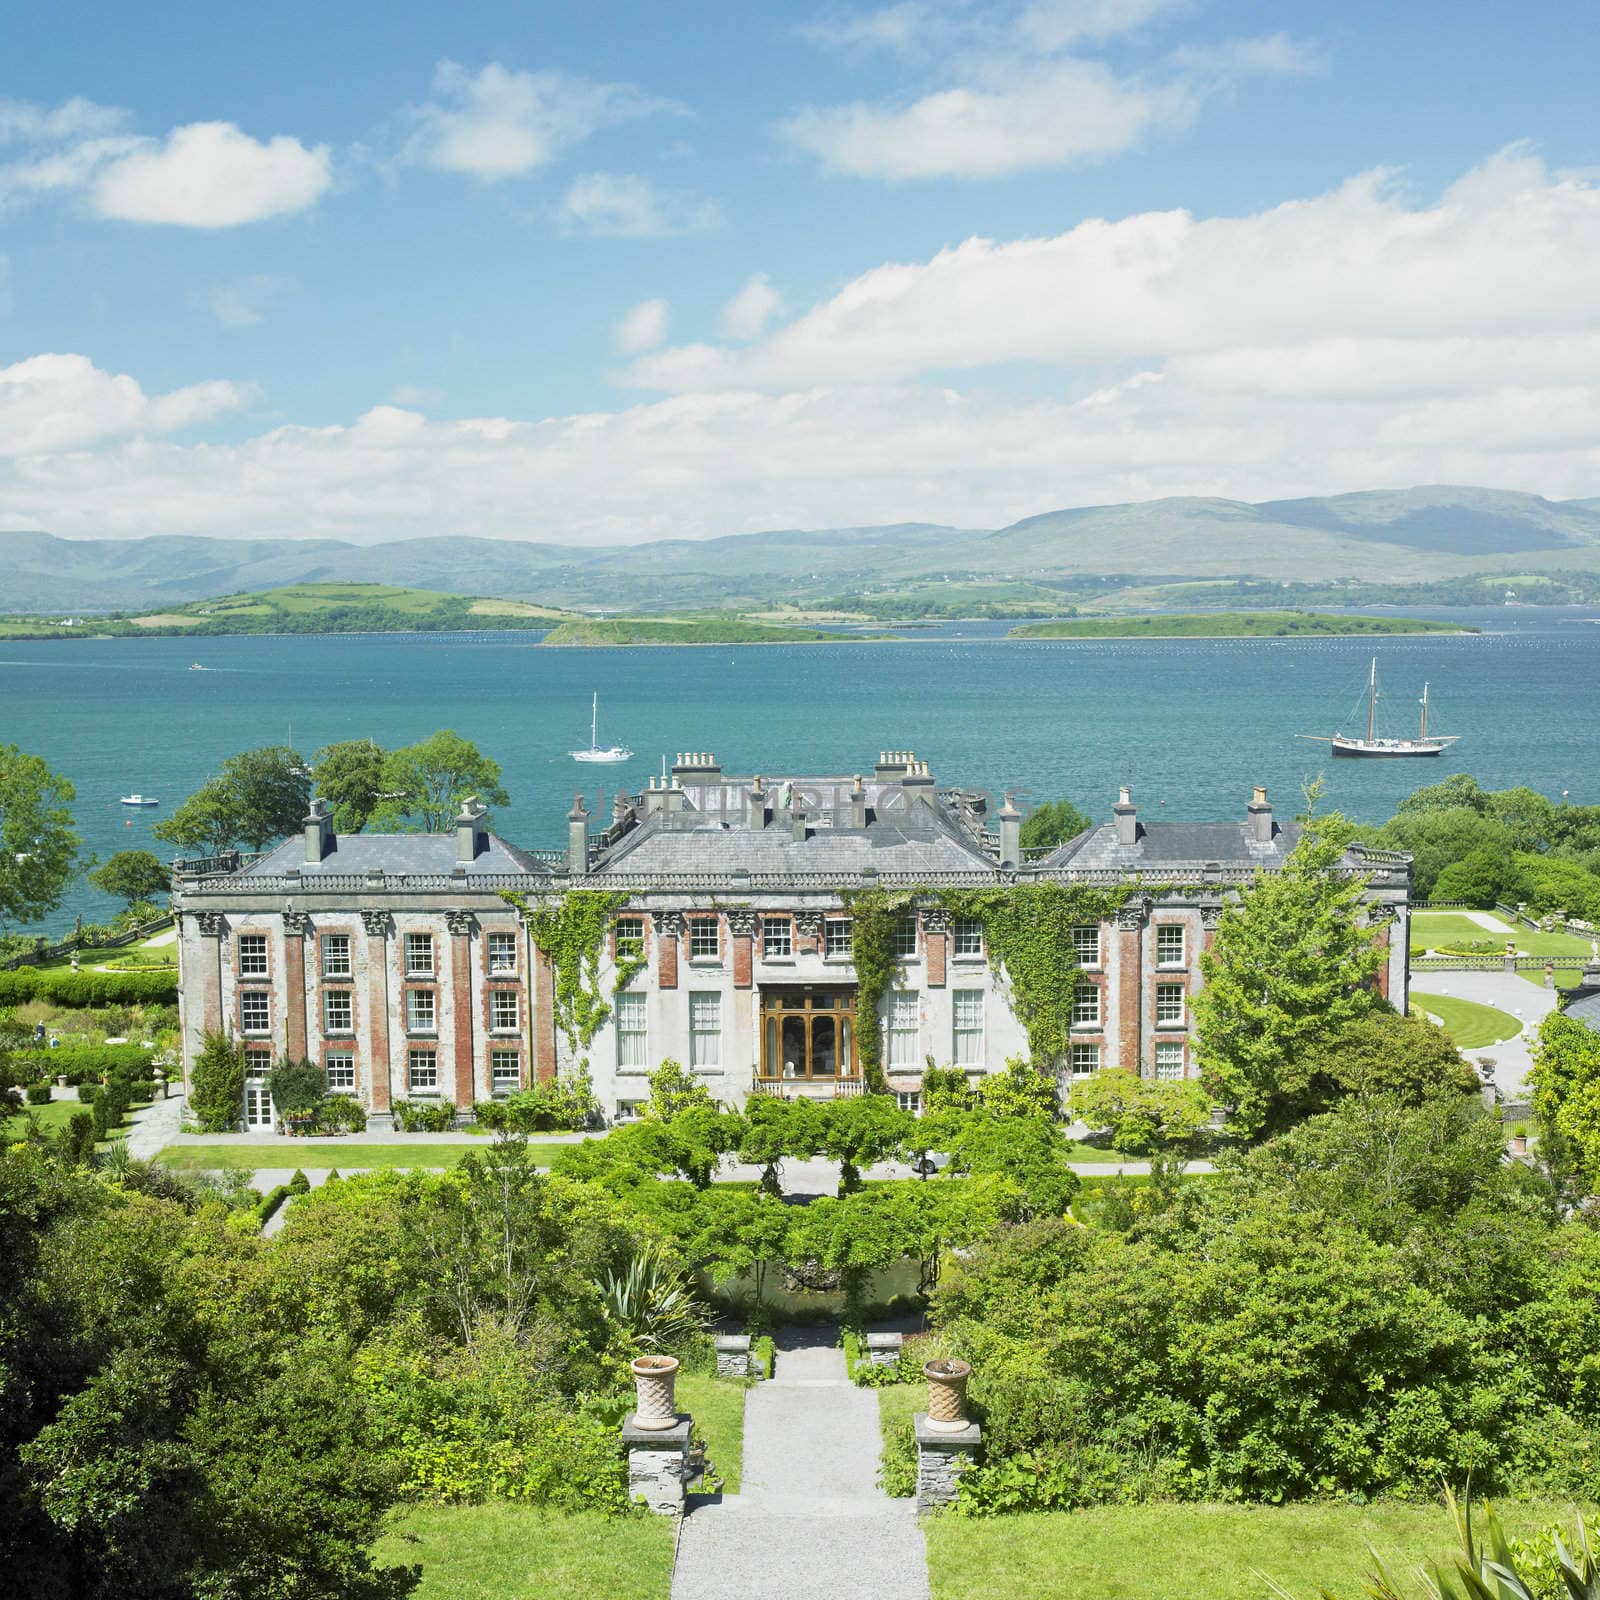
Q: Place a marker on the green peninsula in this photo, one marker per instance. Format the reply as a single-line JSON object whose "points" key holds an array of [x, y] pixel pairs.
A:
{"points": [[1228, 625], [698, 630]]}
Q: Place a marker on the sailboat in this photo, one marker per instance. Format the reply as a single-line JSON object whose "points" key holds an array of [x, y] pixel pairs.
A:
{"points": [[611, 753], [1425, 744]]}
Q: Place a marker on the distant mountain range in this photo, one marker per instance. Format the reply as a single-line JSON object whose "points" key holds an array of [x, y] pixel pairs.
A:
{"points": [[1379, 536]]}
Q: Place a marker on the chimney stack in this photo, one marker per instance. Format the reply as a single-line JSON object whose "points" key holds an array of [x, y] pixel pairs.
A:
{"points": [[577, 837], [917, 782], [757, 799], [797, 821], [1010, 835], [858, 803], [894, 764], [1259, 815], [1127, 818], [319, 831], [470, 838]]}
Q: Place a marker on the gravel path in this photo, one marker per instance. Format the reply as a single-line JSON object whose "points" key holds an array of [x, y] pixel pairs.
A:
{"points": [[155, 1126], [811, 1522], [1527, 1002]]}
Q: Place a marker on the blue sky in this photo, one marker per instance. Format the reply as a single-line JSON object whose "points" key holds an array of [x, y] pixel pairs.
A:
{"points": [[626, 271]]}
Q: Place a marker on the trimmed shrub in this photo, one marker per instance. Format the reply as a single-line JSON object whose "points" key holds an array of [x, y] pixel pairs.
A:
{"points": [[216, 1090], [420, 1116], [88, 1092], [38, 1094], [299, 1183], [76, 1140], [64, 987], [79, 1063]]}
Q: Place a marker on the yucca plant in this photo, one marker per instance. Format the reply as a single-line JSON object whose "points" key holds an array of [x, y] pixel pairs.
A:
{"points": [[652, 1302], [1487, 1567]]}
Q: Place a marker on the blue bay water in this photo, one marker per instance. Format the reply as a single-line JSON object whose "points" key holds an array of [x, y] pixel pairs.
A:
{"points": [[1190, 724]]}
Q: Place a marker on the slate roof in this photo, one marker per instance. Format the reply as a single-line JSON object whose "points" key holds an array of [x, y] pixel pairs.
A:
{"points": [[714, 833], [1229, 843], [394, 852], [1584, 1004]]}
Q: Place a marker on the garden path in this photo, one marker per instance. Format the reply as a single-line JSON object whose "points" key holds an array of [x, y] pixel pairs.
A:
{"points": [[1528, 1002], [155, 1126], [811, 1522]]}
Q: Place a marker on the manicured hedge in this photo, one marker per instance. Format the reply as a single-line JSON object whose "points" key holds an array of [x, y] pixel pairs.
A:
{"points": [[64, 987], [89, 1063]]}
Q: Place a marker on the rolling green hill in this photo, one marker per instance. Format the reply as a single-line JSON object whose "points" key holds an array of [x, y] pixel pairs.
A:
{"points": [[1227, 625]]}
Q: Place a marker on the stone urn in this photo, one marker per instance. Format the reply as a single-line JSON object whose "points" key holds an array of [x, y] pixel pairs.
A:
{"points": [[947, 1395], [1519, 1144], [654, 1379]]}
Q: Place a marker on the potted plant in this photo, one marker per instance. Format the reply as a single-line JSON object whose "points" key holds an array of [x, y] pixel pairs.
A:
{"points": [[654, 1379], [947, 1395], [1519, 1139]]}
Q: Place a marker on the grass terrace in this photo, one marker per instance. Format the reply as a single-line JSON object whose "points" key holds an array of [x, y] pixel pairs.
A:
{"points": [[1449, 930], [321, 1154], [1470, 1024]]}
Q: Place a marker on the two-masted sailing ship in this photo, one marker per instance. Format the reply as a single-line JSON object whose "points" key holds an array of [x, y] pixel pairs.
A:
{"points": [[1425, 744]]}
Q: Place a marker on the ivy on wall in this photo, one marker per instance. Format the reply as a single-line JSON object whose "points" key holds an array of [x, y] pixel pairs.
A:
{"points": [[874, 914], [570, 930]]}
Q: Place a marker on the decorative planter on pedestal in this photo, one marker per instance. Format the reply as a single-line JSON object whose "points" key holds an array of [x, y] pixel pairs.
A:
{"points": [[947, 1395], [654, 1379]]}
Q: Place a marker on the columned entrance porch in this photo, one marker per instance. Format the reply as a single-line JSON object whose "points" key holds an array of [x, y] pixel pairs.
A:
{"points": [[808, 1039]]}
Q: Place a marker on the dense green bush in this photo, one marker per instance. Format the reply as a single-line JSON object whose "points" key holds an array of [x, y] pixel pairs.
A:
{"points": [[87, 1092], [341, 1113], [64, 987], [37, 1094], [562, 1105], [216, 1084], [297, 1088], [79, 1063], [423, 1116]]}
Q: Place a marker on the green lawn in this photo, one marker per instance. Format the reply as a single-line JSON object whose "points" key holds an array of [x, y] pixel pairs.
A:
{"points": [[1191, 1552], [1469, 1024], [52, 1117], [717, 1406], [346, 1154], [1435, 929], [511, 1552]]}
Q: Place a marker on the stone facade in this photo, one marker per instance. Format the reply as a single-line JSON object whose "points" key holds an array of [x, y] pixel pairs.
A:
{"points": [[395, 961], [658, 1465], [941, 1459]]}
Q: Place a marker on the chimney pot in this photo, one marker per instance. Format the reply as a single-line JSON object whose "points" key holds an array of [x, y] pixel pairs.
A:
{"points": [[1010, 835], [577, 837], [1127, 818], [318, 831], [1258, 817], [469, 830], [797, 820]]}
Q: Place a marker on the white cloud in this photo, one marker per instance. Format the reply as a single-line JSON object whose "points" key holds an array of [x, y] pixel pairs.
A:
{"points": [[1354, 339], [619, 205], [500, 123], [211, 175], [746, 315], [416, 396], [53, 403], [643, 328], [1008, 95], [203, 175], [244, 302]]}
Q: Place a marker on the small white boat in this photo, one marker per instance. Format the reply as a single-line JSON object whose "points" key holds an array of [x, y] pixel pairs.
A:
{"points": [[611, 753], [139, 800], [194, 666]]}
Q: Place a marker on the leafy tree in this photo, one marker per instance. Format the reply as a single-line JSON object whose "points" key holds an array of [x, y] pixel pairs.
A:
{"points": [[1566, 1098], [1292, 964], [257, 797], [1142, 1115], [132, 875], [1459, 791], [1018, 1091], [216, 1084], [859, 1131], [1484, 878], [1437, 837], [349, 777], [773, 1129], [433, 778], [298, 1087], [947, 1089], [1030, 1151], [673, 1090], [1385, 1053], [1053, 823], [38, 845]]}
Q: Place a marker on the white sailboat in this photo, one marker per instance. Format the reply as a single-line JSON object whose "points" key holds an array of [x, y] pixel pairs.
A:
{"points": [[611, 753], [1425, 744]]}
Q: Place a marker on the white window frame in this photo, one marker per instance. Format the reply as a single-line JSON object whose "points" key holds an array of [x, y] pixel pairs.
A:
{"points": [[414, 1000], [909, 1100], [499, 943], [253, 960], [629, 945], [255, 1000], [1085, 1060], [838, 939], [905, 1028], [1086, 943], [631, 1014], [705, 931], [705, 1043], [1173, 1067], [630, 1110], [336, 956], [1168, 1014], [966, 1040], [777, 938], [419, 955], [1166, 932], [257, 1065], [505, 1011], [905, 939], [966, 939], [331, 997], [1086, 1006], [505, 1070], [422, 1075], [342, 1062]]}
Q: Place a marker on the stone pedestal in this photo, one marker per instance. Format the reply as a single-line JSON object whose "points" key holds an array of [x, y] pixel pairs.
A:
{"points": [[941, 1459], [658, 1464], [380, 1122], [733, 1355], [883, 1349]]}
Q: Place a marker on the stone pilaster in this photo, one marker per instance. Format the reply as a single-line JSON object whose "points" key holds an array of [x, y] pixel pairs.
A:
{"points": [[668, 925], [808, 932], [936, 937], [461, 925], [742, 930], [733, 1355], [544, 1017], [377, 925], [1130, 984], [294, 981]]}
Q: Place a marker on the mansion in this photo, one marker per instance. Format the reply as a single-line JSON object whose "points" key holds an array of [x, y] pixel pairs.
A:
{"points": [[395, 962]]}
